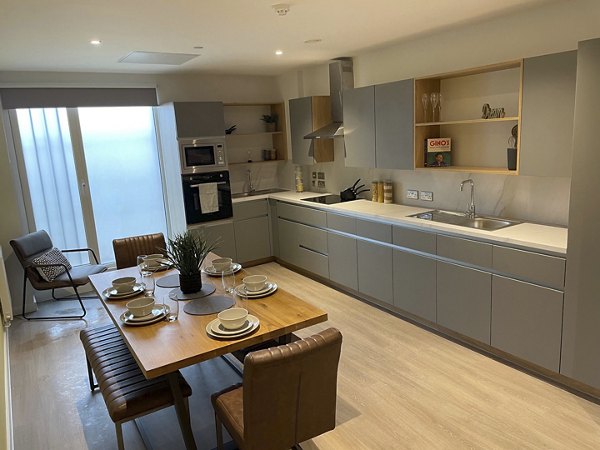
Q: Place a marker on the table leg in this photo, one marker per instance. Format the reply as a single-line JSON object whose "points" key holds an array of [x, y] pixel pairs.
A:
{"points": [[183, 414], [285, 339]]}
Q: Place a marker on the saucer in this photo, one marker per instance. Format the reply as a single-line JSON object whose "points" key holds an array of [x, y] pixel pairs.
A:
{"points": [[211, 271], [213, 329], [164, 264], [111, 292], [242, 292], [157, 314], [217, 328]]}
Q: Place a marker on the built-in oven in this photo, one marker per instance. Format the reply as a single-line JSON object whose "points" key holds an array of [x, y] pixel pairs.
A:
{"points": [[207, 196], [202, 155]]}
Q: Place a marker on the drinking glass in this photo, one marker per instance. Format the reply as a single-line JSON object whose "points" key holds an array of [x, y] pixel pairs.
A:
{"points": [[141, 265], [434, 98], [228, 281], [425, 101], [149, 284], [173, 305]]}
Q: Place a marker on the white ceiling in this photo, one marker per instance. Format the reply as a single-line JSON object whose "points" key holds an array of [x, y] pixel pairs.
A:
{"points": [[238, 36]]}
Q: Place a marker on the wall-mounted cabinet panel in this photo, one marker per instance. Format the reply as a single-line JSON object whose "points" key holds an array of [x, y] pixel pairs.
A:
{"points": [[199, 119], [359, 126], [415, 284], [308, 114]]}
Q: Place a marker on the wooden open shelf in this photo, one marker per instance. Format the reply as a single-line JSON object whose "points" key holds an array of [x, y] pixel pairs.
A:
{"points": [[256, 162], [468, 121], [261, 133], [490, 170]]}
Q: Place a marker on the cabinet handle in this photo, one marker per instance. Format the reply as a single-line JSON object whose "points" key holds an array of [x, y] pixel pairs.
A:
{"points": [[311, 250]]}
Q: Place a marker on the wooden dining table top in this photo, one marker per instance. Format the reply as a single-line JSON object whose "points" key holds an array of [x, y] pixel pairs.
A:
{"points": [[165, 347]]}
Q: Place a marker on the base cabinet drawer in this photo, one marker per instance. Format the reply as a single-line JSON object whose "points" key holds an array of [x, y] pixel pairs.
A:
{"points": [[414, 284], [464, 300], [252, 240], [313, 262], [303, 246], [375, 271], [343, 260], [527, 321], [302, 214], [528, 266]]}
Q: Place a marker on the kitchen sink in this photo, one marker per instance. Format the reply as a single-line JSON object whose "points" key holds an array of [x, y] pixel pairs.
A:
{"points": [[460, 219], [261, 192]]}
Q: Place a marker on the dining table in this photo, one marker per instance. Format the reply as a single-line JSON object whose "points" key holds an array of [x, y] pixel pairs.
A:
{"points": [[162, 348]]}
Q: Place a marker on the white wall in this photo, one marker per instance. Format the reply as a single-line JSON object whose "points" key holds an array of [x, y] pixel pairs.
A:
{"points": [[549, 29]]}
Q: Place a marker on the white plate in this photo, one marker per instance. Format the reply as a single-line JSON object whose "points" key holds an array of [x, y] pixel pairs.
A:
{"points": [[241, 291], [267, 288], [219, 329], [158, 313], [253, 321], [211, 271], [111, 292]]}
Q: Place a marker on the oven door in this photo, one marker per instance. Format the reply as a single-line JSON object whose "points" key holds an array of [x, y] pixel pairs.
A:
{"points": [[207, 197], [197, 156]]}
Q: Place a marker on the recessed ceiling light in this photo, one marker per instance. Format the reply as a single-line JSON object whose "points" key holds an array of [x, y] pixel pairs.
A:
{"points": [[278, 52], [95, 42], [312, 41]]}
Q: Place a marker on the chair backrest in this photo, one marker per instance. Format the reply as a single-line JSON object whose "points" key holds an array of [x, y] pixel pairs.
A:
{"points": [[290, 391], [128, 249], [28, 247]]}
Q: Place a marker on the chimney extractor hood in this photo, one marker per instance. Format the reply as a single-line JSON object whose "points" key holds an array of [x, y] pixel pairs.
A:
{"points": [[341, 76]]}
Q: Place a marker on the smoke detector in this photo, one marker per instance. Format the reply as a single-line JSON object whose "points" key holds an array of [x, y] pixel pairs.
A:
{"points": [[281, 9]]}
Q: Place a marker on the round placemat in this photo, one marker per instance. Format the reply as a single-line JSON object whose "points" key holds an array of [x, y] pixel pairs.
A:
{"points": [[207, 289], [208, 305], [170, 281]]}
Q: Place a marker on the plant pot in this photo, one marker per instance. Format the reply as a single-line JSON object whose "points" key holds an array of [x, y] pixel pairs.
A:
{"points": [[271, 127], [190, 283]]}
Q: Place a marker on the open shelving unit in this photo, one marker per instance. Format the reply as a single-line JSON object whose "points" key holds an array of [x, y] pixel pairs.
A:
{"points": [[250, 137], [478, 145]]}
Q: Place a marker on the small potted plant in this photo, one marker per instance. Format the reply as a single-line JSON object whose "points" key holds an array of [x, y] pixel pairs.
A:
{"points": [[270, 121], [187, 252]]}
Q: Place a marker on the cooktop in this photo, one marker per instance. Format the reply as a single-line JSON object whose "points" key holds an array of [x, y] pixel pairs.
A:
{"points": [[325, 199]]}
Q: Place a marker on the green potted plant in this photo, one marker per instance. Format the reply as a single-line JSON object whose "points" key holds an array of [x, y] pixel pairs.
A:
{"points": [[270, 121], [187, 252]]}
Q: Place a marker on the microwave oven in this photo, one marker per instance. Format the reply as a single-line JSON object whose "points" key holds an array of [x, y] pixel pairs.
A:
{"points": [[202, 155]]}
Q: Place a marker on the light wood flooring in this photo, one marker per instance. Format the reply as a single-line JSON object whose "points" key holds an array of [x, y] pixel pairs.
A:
{"points": [[399, 387]]}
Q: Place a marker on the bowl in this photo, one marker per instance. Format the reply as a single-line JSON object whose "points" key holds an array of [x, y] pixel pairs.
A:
{"points": [[255, 283], [141, 306], [222, 264], [154, 260], [124, 284], [233, 318]]}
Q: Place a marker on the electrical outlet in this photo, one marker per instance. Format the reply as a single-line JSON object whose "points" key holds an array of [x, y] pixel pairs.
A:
{"points": [[314, 175], [426, 196], [410, 193], [321, 184], [321, 175]]}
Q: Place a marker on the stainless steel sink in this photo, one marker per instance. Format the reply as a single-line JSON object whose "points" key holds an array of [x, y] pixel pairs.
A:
{"points": [[460, 219], [261, 192]]}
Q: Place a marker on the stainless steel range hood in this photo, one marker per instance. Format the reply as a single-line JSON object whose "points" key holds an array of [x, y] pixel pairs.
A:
{"points": [[341, 76]]}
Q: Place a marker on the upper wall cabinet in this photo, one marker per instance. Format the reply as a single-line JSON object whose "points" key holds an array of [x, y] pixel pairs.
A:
{"points": [[378, 126], [547, 114], [199, 119], [308, 114]]}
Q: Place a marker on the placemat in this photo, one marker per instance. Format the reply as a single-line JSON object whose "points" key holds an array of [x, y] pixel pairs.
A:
{"points": [[208, 305]]}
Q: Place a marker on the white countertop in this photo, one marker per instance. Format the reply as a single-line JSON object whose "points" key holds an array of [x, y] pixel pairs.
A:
{"points": [[544, 238]]}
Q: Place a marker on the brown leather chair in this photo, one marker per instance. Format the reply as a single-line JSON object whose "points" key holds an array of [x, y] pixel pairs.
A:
{"points": [[32, 245], [288, 395], [128, 249]]}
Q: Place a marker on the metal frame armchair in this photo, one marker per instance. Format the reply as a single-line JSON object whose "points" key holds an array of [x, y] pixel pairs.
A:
{"points": [[32, 245]]}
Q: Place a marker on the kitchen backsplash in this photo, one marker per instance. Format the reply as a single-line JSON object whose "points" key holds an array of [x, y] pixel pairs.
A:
{"points": [[264, 176]]}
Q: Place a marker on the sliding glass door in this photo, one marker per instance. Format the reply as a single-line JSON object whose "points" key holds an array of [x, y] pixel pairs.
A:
{"points": [[90, 175]]}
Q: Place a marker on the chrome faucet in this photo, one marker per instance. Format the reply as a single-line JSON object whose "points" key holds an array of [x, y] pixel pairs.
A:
{"points": [[470, 213], [249, 185]]}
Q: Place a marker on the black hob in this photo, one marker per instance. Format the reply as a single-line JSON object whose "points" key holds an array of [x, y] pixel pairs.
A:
{"points": [[325, 199]]}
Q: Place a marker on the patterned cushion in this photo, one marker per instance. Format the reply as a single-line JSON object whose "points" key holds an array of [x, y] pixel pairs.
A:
{"points": [[52, 256]]}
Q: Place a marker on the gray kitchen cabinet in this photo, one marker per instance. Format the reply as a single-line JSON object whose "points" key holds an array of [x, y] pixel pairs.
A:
{"points": [[464, 300], [529, 266], [252, 239], [343, 260], [375, 271], [303, 246], [547, 115], [527, 321], [302, 214], [308, 114], [465, 251], [415, 284], [288, 241], [274, 228], [199, 119], [394, 125], [414, 239], [377, 231], [359, 127], [221, 232]]}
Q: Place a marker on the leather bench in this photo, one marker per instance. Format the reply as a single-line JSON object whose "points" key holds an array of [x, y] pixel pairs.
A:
{"points": [[126, 391]]}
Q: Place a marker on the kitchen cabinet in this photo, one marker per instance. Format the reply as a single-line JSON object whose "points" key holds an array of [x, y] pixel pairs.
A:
{"points": [[415, 284], [547, 115], [527, 321], [199, 119], [529, 266], [303, 246], [359, 127], [307, 114], [274, 228], [464, 300], [465, 250], [221, 232], [252, 240], [343, 260], [375, 271]]}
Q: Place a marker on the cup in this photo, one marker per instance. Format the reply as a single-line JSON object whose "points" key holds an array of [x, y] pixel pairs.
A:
{"points": [[141, 307], [233, 318], [254, 283], [124, 284], [222, 264]]}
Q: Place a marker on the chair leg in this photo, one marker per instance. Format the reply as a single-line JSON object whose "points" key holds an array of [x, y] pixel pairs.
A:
{"points": [[52, 317], [24, 293], [90, 375], [119, 431], [219, 428]]}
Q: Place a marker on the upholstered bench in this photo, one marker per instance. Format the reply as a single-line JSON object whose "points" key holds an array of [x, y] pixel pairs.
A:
{"points": [[126, 391]]}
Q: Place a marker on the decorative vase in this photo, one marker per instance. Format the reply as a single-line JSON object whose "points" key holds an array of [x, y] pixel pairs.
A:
{"points": [[271, 127], [190, 283]]}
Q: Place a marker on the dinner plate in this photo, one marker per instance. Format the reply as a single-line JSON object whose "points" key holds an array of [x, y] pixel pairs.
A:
{"points": [[158, 313], [211, 271], [253, 321], [164, 264], [267, 288], [111, 292], [219, 329], [242, 292]]}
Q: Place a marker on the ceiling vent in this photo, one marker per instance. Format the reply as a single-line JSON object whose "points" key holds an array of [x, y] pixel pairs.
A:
{"points": [[170, 59]]}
